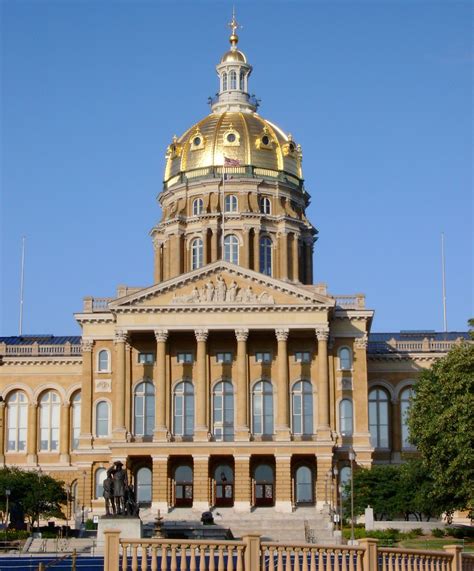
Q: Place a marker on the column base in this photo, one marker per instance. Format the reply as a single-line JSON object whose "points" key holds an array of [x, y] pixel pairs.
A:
{"points": [[242, 507], [160, 435], [85, 442], [282, 434], [324, 434], [201, 506], [32, 459], [242, 435], [201, 435], [65, 459], [283, 506]]}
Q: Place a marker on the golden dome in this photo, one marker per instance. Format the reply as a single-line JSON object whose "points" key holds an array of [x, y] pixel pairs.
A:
{"points": [[242, 136], [234, 55]]}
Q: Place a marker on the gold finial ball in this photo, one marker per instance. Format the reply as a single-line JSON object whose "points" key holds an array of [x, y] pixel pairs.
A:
{"points": [[234, 39]]}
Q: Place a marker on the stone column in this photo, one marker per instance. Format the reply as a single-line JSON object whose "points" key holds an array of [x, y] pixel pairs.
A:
{"points": [[160, 430], [118, 405], [85, 438], [204, 247], [160, 499], [283, 484], [32, 438], [360, 391], [214, 245], [295, 258], [256, 250], [282, 428], [158, 262], [322, 334], [2, 432], [242, 388], [201, 483], [309, 262], [283, 247], [242, 484], [244, 250], [65, 433], [201, 404]]}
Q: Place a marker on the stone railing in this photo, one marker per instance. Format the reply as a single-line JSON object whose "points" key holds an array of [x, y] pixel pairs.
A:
{"points": [[251, 554], [356, 301], [424, 345], [37, 350], [96, 304]]}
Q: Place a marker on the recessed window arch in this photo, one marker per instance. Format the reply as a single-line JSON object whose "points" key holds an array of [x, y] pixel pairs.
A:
{"points": [[231, 249], [223, 411], [224, 81], [144, 409], [183, 409], [405, 400], [231, 204], [262, 408], [233, 80], [346, 417], [183, 485], [17, 421], [304, 485], [103, 361], [378, 417], [75, 419], [265, 205], [198, 206], [102, 419], [144, 485], [197, 253], [266, 255], [302, 408], [345, 359], [99, 477], [264, 481], [49, 420]]}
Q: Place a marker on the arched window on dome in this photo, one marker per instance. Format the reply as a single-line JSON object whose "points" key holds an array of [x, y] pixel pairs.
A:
{"points": [[266, 256], [265, 205], [197, 206], [231, 249], [224, 81], [233, 80], [231, 204], [241, 81], [197, 250]]}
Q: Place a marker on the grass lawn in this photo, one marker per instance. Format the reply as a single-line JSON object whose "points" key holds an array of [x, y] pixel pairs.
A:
{"points": [[428, 542]]}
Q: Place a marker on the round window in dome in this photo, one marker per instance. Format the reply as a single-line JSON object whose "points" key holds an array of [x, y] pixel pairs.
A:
{"points": [[197, 141], [265, 140], [231, 138]]}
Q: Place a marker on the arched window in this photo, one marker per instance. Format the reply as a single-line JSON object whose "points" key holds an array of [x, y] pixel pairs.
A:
{"points": [[17, 421], [49, 421], [262, 408], [224, 81], [378, 418], [405, 400], [302, 408], [264, 477], [265, 205], [183, 486], [198, 206], [103, 361], [233, 80], [241, 81], [231, 249], [345, 359], [143, 483], [75, 420], [224, 485], [231, 203], [223, 412], [102, 419], [184, 409], [346, 417], [197, 250], [266, 256], [144, 411], [100, 475], [304, 485]]}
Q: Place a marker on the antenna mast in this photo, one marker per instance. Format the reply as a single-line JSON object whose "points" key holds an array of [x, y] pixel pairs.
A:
{"points": [[443, 270], [22, 282]]}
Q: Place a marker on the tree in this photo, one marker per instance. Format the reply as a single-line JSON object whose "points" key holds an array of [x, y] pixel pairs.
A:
{"points": [[441, 420], [32, 493], [470, 322]]}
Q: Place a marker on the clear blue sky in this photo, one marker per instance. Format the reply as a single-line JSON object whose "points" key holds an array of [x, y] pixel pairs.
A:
{"points": [[379, 94]]}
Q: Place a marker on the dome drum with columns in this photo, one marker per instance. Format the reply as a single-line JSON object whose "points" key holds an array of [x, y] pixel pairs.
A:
{"points": [[233, 189]]}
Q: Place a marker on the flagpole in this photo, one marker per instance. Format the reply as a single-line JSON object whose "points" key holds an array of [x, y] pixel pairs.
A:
{"points": [[22, 281], [223, 209], [443, 274]]}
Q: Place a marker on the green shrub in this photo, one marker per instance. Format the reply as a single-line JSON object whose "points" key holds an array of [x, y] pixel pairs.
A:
{"points": [[13, 534], [49, 534], [437, 532], [417, 531], [460, 532], [90, 525]]}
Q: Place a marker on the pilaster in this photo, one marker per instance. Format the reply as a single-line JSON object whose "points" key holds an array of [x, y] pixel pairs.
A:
{"points": [[2, 432], [160, 499], [243, 484], [85, 438], [283, 484], [118, 404], [360, 393], [160, 430], [201, 499], [32, 438], [242, 432], [324, 432], [295, 258], [282, 428], [65, 433], [283, 247], [201, 424]]}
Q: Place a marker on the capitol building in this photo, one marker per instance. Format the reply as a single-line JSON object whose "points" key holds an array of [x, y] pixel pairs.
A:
{"points": [[233, 381]]}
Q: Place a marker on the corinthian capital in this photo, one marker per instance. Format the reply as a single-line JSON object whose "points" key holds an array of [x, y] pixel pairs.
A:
{"points": [[201, 334], [121, 336], [161, 335], [242, 334], [282, 334], [322, 333], [86, 344], [362, 342]]}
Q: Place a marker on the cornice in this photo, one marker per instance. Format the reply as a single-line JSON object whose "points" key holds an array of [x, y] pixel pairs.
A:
{"points": [[420, 357], [238, 308], [41, 360], [94, 317]]}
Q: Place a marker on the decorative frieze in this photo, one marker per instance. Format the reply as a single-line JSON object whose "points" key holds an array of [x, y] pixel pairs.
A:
{"points": [[103, 385]]}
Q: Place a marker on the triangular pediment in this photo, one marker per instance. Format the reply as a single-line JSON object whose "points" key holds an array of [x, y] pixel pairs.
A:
{"points": [[221, 285]]}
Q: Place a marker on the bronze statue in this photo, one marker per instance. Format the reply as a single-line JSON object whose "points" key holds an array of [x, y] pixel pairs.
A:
{"points": [[108, 493], [120, 484]]}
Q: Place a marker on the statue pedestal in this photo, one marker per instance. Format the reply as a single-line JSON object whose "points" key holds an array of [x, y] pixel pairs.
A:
{"points": [[129, 527]]}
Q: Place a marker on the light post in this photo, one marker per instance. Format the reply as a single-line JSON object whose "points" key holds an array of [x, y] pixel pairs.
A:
{"points": [[341, 507], [335, 471], [7, 498], [352, 457], [84, 474]]}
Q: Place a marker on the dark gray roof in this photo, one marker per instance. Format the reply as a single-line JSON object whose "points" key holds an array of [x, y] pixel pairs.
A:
{"points": [[41, 339], [378, 342]]}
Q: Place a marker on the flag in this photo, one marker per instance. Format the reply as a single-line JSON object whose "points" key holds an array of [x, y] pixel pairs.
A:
{"points": [[231, 162]]}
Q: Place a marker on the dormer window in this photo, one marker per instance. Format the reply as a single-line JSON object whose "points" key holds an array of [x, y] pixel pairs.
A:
{"points": [[197, 141], [231, 137]]}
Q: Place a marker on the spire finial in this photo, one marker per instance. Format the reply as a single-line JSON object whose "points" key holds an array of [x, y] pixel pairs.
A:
{"points": [[234, 25]]}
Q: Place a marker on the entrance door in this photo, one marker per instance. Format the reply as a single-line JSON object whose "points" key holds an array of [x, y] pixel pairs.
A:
{"points": [[304, 486], [224, 485], [264, 485], [183, 487]]}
